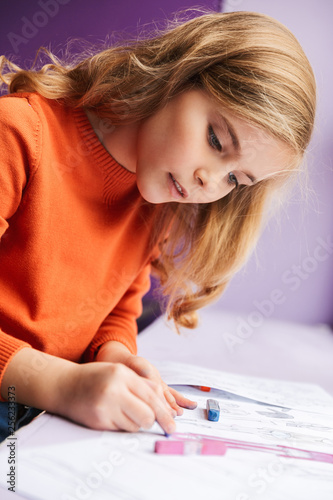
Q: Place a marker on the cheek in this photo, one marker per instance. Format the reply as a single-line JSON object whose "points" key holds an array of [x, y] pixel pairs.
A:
{"points": [[211, 193], [149, 149], [151, 184]]}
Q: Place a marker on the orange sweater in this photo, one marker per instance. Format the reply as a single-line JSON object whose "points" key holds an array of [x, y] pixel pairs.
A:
{"points": [[74, 235]]}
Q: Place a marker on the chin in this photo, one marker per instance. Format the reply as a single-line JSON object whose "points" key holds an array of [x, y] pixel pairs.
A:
{"points": [[154, 201], [150, 196]]}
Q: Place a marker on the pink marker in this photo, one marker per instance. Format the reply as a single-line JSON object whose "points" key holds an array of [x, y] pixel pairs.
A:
{"points": [[190, 447]]}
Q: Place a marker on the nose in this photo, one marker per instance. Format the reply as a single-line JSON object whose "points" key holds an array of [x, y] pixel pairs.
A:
{"points": [[211, 184]]}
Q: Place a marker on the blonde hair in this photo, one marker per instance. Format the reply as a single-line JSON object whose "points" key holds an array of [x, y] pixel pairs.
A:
{"points": [[250, 64]]}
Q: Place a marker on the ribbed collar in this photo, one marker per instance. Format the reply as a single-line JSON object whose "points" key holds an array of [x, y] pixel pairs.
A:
{"points": [[117, 180]]}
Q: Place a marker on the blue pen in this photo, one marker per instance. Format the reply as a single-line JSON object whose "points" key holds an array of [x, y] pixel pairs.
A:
{"points": [[164, 432]]}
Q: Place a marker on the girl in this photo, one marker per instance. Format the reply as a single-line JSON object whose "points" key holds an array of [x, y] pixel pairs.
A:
{"points": [[157, 154]]}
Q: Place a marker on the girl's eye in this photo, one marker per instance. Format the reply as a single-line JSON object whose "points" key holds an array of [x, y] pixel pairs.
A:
{"points": [[213, 140], [232, 179]]}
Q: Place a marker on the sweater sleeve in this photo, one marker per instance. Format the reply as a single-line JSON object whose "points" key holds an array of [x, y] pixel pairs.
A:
{"points": [[121, 325], [19, 154]]}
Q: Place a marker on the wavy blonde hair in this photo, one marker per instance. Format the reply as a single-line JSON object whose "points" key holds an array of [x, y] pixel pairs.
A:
{"points": [[250, 64]]}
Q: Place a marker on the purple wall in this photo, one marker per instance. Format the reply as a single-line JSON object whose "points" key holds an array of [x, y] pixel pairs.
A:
{"points": [[295, 255], [26, 25]]}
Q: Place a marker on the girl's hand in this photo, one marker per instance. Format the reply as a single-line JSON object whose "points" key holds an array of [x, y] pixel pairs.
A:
{"points": [[103, 395], [174, 398], [112, 396], [113, 351]]}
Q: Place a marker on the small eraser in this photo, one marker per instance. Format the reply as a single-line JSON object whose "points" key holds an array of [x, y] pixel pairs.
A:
{"points": [[169, 447], [191, 447], [213, 410]]}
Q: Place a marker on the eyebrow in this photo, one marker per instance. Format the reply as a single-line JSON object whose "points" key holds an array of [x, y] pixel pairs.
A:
{"points": [[252, 179], [232, 134], [235, 141]]}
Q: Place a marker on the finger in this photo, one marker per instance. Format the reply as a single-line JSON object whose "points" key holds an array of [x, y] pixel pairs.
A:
{"points": [[160, 389], [140, 413], [182, 401], [172, 402], [162, 412], [165, 420], [124, 423], [143, 368]]}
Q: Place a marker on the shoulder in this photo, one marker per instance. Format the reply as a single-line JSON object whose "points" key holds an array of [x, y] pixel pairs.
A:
{"points": [[25, 111], [18, 115], [20, 126], [17, 106]]}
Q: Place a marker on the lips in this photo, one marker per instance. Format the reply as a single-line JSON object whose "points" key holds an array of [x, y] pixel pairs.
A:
{"points": [[178, 187]]}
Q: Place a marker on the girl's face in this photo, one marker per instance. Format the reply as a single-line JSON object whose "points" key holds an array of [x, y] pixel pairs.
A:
{"points": [[191, 151]]}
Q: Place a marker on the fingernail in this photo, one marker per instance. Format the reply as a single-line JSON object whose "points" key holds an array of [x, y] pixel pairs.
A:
{"points": [[170, 429]]}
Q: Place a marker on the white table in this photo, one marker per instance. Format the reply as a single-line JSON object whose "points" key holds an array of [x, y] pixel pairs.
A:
{"points": [[54, 455], [246, 345]]}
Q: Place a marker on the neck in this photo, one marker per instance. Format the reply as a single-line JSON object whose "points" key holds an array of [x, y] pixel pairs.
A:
{"points": [[119, 141]]}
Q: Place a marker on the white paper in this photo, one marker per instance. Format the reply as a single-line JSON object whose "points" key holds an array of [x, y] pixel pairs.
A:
{"points": [[59, 460], [261, 423], [275, 392]]}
